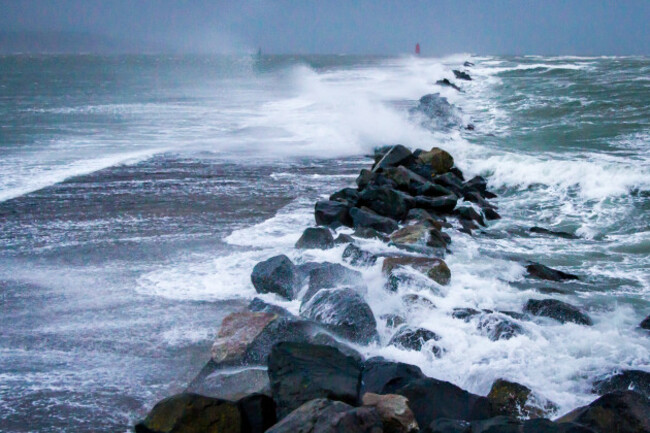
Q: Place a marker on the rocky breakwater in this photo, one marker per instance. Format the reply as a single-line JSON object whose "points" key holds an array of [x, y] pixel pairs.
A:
{"points": [[277, 371]]}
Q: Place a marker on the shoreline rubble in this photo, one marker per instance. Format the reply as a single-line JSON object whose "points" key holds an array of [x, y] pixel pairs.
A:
{"points": [[274, 371]]}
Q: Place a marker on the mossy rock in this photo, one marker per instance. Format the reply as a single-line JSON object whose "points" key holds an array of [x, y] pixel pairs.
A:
{"points": [[192, 413]]}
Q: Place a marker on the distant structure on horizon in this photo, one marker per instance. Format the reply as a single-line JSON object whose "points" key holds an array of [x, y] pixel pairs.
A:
{"points": [[417, 49]]}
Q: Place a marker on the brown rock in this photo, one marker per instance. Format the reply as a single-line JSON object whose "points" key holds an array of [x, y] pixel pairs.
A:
{"points": [[393, 409], [410, 234], [434, 268], [439, 160], [237, 331]]}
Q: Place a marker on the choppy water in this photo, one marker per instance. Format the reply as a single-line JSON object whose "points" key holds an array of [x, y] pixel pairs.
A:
{"points": [[137, 193]]}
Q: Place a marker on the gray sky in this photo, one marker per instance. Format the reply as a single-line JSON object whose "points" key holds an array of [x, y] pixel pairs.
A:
{"points": [[586, 27]]}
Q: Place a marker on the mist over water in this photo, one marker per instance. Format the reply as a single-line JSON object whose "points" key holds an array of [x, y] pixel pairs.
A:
{"points": [[138, 192]]}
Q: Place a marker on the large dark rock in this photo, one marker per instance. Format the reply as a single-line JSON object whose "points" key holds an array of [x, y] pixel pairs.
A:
{"points": [[258, 413], [405, 179], [349, 196], [446, 83], [192, 413], [491, 214], [327, 416], [290, 329], [316, 238], [477, 183], [461, 75], [332, 213], [276, 275], [645, 324], [468, 213], [381, 376], [558, 310], [385, 201], [619, 412], [443, 204], [365, 218], [431, 189], [635, 380], [422, 216], [414, 338], [301, 372], [330, 275], [394, 156], [344, 312], [439, 160], [358, 257], [450, 181], [542, 272], [431, 399], [476, 197], [365, 178], [543, 231], [515, 400], [343, 239]]}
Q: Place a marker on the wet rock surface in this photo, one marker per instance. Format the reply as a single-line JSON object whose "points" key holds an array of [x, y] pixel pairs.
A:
{"points": [[542, 272], [515, 400], [344, 312], [645, 324], [333, 213], [558, 310], [366, 218], [192, 413], [326, 416], [461, 75], [381, 376], [431, 399], [620, 411], [301, 372], [635, 380], [316, 237], [414, 339], [276, 275], [331, 275], [543, 231], [358, 257]]}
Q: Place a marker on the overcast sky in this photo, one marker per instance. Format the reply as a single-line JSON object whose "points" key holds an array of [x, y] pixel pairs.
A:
{"points": [[584, 27]]}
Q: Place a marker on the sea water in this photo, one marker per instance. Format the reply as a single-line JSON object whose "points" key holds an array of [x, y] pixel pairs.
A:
{"points": [[138, 192]]}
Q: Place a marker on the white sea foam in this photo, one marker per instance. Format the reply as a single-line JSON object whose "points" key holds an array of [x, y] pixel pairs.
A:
{"points": [[19, 178]]}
